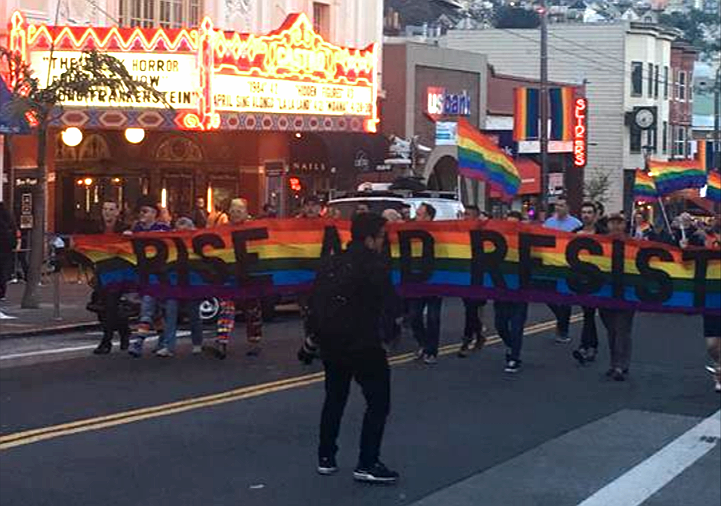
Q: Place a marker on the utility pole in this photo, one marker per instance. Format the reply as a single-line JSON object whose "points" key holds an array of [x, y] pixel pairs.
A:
{"points": [[543, 97], [717, 120]]}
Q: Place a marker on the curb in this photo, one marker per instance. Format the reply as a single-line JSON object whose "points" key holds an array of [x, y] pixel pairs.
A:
{"points": [[44, 331]]}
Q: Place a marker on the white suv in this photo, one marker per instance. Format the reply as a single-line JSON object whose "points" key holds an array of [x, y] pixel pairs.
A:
{"points": [[446, 205]]}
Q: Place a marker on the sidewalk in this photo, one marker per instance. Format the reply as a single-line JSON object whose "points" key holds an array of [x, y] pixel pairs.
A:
{"points": [[17, 322]]}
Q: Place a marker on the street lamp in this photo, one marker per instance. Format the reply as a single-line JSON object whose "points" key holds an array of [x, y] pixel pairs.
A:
{"points": [[72, 136], [134, 135]]}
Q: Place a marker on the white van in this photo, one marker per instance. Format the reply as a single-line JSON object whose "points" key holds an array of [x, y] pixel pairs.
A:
{"points": [[447, 207]]}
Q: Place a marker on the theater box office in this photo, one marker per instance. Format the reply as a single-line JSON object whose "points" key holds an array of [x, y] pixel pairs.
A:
{"points": [[248, 112]]}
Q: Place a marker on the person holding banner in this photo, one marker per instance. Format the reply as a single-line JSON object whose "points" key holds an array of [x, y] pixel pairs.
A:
{"points": [[618, 322], [473, 338], [510, 319], [588, 349], [562, 220], [428, 333], [237, 215]]}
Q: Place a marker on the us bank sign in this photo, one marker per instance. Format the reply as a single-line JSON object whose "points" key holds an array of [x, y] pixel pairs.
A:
{"points": [[289, 79]]}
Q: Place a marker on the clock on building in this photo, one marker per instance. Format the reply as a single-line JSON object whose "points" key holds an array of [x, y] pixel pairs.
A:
{"points": [[644, 117]]}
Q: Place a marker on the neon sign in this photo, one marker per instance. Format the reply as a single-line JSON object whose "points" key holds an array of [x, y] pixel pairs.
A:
{"points": [[206, 72], [580, 115]]}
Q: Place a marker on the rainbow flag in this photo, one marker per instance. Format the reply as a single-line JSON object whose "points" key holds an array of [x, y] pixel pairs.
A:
{"points": [[526, 111], [480, 158], [644, 187], [713, 190], [561, 100], [677, 175]]}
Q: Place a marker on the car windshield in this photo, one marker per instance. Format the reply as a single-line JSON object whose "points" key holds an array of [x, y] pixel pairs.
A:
{"points": [[348, 207]]}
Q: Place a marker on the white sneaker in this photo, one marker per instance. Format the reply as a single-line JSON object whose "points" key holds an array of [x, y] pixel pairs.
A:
{"points": [[197, 349], [164, 353], [419, 354], [430, 359]]}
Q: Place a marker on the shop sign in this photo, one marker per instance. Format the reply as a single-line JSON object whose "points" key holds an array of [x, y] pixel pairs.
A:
{"points": [[307, 167], [446, 133], [205, 71], [580, 127], [361, 162], [443, 103]]}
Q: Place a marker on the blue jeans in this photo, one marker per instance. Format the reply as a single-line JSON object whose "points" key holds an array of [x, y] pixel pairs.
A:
{"points": [[510, 318], [147, 309], [428, 334], [170, 334]]}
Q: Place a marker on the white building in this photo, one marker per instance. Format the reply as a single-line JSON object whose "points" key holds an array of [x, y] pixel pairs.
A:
{"points": [[354, 23], [625, 67]]}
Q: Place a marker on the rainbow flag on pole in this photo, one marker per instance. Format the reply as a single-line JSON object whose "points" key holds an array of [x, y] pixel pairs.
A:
{"points": [[644, 187], [677, 175], [526, 111], [561, 100], [480, 158], [713, 190]]}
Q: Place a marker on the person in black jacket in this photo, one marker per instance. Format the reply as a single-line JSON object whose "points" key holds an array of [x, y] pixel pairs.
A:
{"points": [[8, 242], [359, 353]]}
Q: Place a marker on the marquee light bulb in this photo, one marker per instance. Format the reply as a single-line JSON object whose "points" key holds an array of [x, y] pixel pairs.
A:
{"points": [[72, 136], [134, 135]]}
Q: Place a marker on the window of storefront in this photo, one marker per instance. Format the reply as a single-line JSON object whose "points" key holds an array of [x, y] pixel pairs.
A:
{"points": [[636, 78], [165, 13]]}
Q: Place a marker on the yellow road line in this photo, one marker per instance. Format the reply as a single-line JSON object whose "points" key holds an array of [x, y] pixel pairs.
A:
{"points": [[125, 417]]}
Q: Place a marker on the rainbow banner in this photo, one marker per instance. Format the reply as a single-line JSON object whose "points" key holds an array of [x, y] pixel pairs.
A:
{"points": [[713, 190], [644, 187], [496, 260], [673, 176], [562, 103], [526, 114], [481, 158]]}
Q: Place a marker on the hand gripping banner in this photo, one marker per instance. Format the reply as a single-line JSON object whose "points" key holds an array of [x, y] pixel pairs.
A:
{"points": [[494, 260]]}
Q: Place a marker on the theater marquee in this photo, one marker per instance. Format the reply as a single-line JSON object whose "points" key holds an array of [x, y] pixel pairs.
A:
{"points": [[290, 79]]}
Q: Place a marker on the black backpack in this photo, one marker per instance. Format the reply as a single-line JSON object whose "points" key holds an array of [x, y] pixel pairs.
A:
{"points": [[331, 304]]}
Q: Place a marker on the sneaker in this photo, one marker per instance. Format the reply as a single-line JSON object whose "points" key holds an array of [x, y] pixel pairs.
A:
{"points": [[103, 349], [561, 339], [618, 375], [164, 353], [197, 349], [136, 348], [717, 387], [419, 354], [430, 359], [327, 466], [580, 355], [512, 366], [464, 351], [591, 354], [377, 473]]}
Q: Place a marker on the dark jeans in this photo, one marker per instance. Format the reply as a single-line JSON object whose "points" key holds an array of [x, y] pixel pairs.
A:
{"points": [[619, 324], [370, 370], [563, 318], [428, 334], [510, 318], [112, 319], [473, 325], [589, 334]]}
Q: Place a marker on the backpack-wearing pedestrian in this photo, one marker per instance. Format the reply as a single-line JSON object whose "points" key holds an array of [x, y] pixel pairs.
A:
{"points": [[350, 294]]}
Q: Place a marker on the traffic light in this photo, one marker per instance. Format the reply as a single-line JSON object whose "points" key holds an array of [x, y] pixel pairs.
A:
{"points": [[295, 184]]}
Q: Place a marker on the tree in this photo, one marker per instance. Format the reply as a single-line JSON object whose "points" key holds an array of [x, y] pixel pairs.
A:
{"points": [[94, 72], [516, 17], [596, 187]]}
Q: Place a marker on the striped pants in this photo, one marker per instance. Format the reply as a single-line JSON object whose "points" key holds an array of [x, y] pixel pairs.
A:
{"points": [[253, 320]]}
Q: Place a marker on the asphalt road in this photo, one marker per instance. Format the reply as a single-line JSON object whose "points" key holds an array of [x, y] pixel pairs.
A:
{"points": [[461, 432]]}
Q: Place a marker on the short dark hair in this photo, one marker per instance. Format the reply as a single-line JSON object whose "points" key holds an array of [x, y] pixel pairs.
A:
{"points": [[147, 201], [600, 208], [515, 214], [590, 204], [366, 225], [431, 210]]}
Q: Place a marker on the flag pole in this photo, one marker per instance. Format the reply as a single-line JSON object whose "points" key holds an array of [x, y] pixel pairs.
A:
{"points": [[646, 152]]}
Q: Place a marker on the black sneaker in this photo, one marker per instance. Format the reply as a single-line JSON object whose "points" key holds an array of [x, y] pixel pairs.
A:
{"points": [[377, 473], [103, 348], [580, 355], [464, 351], [618, 375], [513, 366], [327, 466]]}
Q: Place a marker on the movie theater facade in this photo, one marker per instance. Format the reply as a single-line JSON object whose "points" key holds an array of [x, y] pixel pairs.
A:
{"points": [[244, 114]]}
